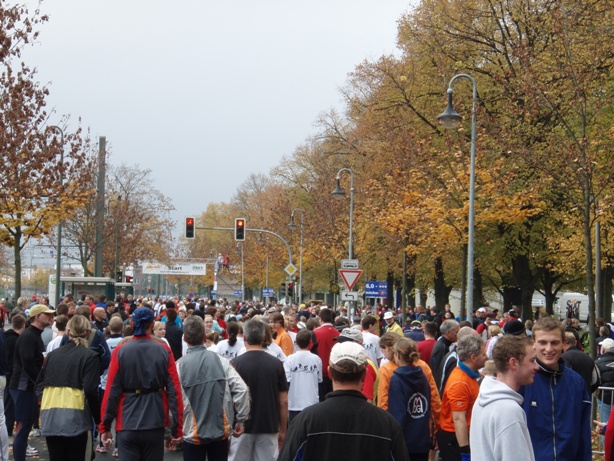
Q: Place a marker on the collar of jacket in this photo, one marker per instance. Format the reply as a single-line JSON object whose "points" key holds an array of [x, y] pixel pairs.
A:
{"points": [[349, 392], [192, 349], [551, 373]]}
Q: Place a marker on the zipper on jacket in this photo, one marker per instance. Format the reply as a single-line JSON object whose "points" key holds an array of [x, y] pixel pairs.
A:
{"points": [[553, 378]]}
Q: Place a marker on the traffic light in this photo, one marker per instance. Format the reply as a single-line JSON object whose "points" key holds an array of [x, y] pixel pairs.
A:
{"points": [[291, 289], [189, 228], [240, 229], [119, 276]]}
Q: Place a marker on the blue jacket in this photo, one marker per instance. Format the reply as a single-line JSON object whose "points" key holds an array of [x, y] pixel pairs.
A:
{"points": [[558, 410], [409, 401]]}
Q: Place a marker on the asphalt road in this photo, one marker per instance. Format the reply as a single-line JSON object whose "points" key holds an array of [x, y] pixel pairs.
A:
{"points": [[41, 446]]}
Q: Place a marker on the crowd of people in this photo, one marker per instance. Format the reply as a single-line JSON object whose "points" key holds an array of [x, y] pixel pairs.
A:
{"points": [[223, 380]]}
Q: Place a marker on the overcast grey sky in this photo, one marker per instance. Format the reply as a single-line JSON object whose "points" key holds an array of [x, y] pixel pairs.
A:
{"points": [[205, 92]]}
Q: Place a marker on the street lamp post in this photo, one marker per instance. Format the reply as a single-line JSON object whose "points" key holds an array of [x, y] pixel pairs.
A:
{"points": [[340, 193], [58, 262], [292, 226], [451, 119]]}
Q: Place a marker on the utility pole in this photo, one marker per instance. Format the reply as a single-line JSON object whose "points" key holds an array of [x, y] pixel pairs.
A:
{"points": [[100, 192]]}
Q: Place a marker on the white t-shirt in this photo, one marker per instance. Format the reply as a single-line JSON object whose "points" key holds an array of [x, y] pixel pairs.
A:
{"points": [[293, 336], [371, 344], [227, 351], [303, 372], [112, 343], [273, 350], [54, 344]]}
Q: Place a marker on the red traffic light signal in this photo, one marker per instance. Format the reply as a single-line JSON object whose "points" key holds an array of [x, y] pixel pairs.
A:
{"points": [[189, 228], [240, 229]]}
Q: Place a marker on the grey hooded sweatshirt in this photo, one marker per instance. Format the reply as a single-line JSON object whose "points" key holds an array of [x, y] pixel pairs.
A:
{"points": [[499, 425]]}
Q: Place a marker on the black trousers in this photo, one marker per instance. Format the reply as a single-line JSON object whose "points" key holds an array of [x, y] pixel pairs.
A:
{"points": [[448, 446], [144, 445], [212, 451], [324, 388], [75, 448]]}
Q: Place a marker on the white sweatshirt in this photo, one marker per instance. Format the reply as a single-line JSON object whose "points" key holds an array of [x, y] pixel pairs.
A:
{"points": [[498, 429]]}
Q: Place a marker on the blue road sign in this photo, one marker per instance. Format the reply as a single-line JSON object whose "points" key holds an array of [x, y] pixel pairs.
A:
{"points": [[238, 293], [268, 292], [213, 292], [375, 289]]}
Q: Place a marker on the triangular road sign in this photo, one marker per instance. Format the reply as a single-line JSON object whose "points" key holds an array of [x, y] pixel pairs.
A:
{"points": [[350, 277]]}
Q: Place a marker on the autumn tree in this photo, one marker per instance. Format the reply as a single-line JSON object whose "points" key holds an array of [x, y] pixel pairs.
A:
{"points": [[37, 188], [137, 222]]}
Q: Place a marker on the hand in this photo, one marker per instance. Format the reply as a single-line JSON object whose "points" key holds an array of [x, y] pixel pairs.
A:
{"points": [[107, 439], [280, 438], [238, 430], [599, 427], [176, 441]]}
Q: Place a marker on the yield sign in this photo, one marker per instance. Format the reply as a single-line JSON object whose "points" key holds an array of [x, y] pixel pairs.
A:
{"points": [[350, 277]]}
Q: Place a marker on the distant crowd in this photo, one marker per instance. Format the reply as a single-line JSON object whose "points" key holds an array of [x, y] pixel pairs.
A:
{"points": [[225, 380]]}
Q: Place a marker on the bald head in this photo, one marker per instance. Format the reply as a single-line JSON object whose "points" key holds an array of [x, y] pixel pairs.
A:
{"points": [[100, 313], [466, 331]]}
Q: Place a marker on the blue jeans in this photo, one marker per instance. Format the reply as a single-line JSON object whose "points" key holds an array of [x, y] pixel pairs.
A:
{"points": [[25, 406], [604, 408]]}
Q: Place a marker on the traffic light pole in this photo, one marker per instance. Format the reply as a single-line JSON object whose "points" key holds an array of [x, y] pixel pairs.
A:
{"points": [[254, 230]]}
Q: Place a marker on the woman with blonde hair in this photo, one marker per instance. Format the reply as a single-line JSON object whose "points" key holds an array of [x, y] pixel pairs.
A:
{"points": [[159, 330], [68, 385]]}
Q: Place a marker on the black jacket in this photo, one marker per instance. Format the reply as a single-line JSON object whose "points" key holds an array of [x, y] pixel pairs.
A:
{"points": [[605, 364], [28, 359], [344, 427], [11, 338], [583, 364], [174, 336], [440, 349]]}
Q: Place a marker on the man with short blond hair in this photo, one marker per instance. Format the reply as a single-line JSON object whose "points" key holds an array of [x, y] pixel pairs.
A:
{"points": [[557, 404]]}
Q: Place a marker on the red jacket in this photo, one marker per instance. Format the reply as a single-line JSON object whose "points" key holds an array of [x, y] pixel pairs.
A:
{"points": [[142, 387]]}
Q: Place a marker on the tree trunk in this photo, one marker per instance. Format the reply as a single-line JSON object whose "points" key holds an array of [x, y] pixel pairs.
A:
{"points": [[511, 297], [390, 291], [524, 278], [590, 278], [410, 281], [17, 257], [463, 306], [478, 289], [442, 291], [423, 296]]}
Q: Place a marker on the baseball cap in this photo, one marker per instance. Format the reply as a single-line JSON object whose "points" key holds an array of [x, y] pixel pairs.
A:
{"points": [[481, 309], [416, 323], [388, 315], [40, 309], [513, 327], [349, 334], [513, 313], [352, 353]]}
